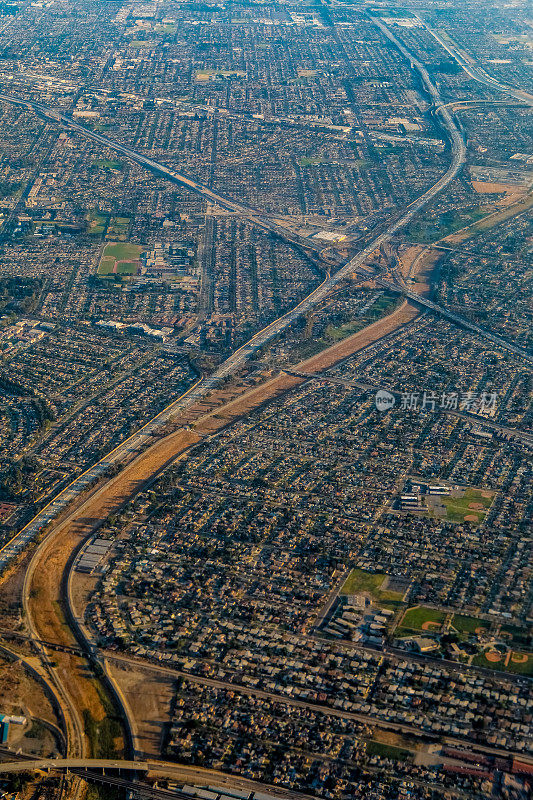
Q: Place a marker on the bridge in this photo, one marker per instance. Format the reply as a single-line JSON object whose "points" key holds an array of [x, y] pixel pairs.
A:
{"points": [[124, 773], [24, 764], [473, 69], [97, 771], [252, 215], [319, 376], [234, 362], [468, 416]]}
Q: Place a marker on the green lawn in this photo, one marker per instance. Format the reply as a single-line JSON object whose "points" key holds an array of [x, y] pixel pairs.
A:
{"points": [[519, 636], [457, 508], [384, 305], [463, 624], [520, 667], [386, 751], [97, 223], [168, 28], [429, 229], [336, 334], [307, 161], [117, 228], [414, 619], [122, 251], [108, 163], [106, 266], [359, 581], [122, 258], [127, 267]]}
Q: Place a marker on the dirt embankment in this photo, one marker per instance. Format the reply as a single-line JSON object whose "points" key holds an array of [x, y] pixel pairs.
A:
{"points": [[46, 602], [46, 588]]}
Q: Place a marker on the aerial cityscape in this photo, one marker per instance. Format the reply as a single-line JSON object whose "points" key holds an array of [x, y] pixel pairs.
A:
{"points": [[266, 399]]}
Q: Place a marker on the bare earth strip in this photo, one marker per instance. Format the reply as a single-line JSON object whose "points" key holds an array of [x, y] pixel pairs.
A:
{"points": [[46, 601], [490, 221]]}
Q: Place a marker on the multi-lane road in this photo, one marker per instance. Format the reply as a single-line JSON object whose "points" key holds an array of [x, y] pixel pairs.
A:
{"points": [[473, 69], [204, 386], [235, 361], [254, 216], [475, 419], [217, 783]]}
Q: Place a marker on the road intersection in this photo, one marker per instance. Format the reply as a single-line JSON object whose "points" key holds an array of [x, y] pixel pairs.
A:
{"points": [[139, 440]]}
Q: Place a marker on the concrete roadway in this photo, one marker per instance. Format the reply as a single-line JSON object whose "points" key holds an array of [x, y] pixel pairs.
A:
{"points": [[253, 215], [197, 776], [232, 364], [71, 763], [371, 721], [367, 387], [204, 386], [476, 72], [76, 742]]}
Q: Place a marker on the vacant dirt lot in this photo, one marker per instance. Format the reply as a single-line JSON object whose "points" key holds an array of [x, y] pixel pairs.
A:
{"points": [[149, 697], [20, 694]]}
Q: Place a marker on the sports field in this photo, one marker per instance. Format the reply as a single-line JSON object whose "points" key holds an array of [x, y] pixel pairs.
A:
{"points": [[97, 223], [514, 661], [465, 624], [108, 164], [421, 618], [120, 258], [463, 505]]}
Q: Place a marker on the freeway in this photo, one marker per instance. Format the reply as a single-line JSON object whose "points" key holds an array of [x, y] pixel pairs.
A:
{"points": [[235, 361], [475, 419], [76, 743], [254, 216], [136, 442], [22, 765], [474, 70], [383, 722], [217, 783]]}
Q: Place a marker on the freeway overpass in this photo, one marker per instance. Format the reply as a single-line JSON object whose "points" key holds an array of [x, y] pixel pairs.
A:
{"points": [[108, 771], [474, 70], [143, 437], [462, 322], [475, 419], [25, 764]]}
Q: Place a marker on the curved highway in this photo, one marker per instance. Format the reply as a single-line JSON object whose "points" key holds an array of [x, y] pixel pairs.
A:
{"points": [[476, 72], [75, 733], [205, 385], [74, 730]]}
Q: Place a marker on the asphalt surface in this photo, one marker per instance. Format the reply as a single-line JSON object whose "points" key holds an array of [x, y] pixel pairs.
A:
{"points": [[474, 70], [234, 362]]}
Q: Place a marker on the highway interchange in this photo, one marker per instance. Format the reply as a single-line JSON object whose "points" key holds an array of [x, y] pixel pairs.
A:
{"points": [[139, 440], [235, 361]]}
